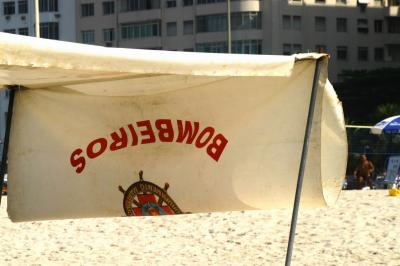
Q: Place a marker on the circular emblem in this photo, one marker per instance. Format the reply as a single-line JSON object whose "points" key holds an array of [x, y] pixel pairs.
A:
{"points": [[144, 198]]}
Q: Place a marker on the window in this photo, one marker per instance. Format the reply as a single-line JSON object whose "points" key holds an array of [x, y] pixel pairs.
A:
{"points": [[209, 1], [341, 2], [393, 52], [49, 30], [187, 2], [23, 31], [23, 7], [378, 26], [286, 22], [108, 8], [10, 31], [188, 50], [393, 24], [211, 23], [394, 3], [362, 25], [108, 35], [154, 48], [171, 29], [246, 20], [48, 5], [320, 1], [341, 25], [212, 47], [87, 36], [87, 10], [320, 24], [363, 53], [188, 27], [171, 3], [341, 53], [297, 22], [362, 4], [9, 8], [247, 47], [135, 5], [297, 48], [291, 22], [141, 30], [379, 54], [287, 49], [321, 48]]}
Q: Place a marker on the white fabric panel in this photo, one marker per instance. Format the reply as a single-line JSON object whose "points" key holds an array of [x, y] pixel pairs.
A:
{"points": [[38, 63], [224, 131]]}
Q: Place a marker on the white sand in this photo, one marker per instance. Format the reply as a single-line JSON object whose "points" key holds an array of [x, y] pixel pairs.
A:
{"points": [[363, 228]]}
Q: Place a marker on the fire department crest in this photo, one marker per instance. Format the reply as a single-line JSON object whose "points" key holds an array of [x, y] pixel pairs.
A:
{"points": [[144, 198]]}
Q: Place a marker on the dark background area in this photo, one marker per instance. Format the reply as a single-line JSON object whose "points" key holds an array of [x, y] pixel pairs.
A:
{"points": [[369, 97]]}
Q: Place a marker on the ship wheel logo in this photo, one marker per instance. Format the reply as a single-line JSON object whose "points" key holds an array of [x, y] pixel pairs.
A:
{"points": [[144, 198]]}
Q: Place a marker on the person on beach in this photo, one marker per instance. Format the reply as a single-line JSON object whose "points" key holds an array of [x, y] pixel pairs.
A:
{"points": [[363, 172]]}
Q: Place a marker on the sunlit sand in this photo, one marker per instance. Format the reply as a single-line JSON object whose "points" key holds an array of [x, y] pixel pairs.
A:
{"points": [[363, 228]]}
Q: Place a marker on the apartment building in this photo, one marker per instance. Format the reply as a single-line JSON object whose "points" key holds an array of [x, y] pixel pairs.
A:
{"points": [[358, 34], [57, 18], [363, 34], [184, 25]]}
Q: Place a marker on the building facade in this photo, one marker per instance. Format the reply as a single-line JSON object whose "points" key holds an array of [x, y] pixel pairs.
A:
{"points": [[183, 25], [358, 34], [57, 18]]}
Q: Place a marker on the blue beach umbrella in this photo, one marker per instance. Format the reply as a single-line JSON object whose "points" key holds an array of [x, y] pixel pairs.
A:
{"points": [[390, 125]]}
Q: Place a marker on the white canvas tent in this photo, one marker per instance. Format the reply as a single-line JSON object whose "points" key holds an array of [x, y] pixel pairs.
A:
{"points": [[211, 132]]}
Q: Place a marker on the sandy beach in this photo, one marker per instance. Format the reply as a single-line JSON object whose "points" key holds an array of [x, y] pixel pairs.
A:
{"points": [[363, 228]]}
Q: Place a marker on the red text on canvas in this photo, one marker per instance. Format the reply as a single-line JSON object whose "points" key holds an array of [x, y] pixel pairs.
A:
{"points": [[147, 132]]}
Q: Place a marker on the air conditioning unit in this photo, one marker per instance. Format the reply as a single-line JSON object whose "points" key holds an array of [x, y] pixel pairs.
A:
{"points": [[23, 17], [57, 15], [8, 17]]}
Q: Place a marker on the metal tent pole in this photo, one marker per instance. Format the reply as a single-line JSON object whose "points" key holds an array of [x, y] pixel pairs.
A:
{"points": [[37, 19], [303, 162], [229, 32], [6, 138]]}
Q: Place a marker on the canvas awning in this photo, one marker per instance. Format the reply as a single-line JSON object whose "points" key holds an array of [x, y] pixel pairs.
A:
{"points": [[211, 132]]}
